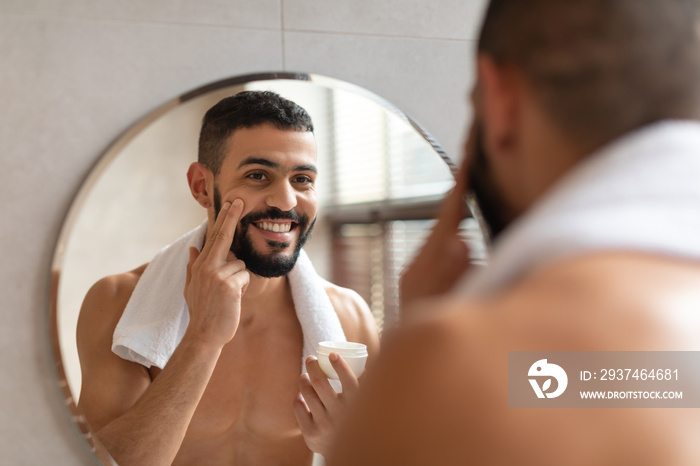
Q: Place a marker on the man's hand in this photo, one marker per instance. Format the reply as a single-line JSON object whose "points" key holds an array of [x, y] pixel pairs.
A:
{"points": [[444, 257], [318, 408], [216, 281]]}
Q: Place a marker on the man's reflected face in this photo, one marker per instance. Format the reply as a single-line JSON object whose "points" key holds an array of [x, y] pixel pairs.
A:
{"points": [[273, 171], [273, 263]]}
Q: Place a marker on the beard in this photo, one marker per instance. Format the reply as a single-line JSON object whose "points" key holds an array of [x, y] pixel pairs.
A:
{"points": [[494, 210], [275, 263]]}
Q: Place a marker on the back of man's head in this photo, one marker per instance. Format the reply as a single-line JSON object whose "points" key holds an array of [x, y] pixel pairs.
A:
{"points": [[600, 68], [246, 110]]}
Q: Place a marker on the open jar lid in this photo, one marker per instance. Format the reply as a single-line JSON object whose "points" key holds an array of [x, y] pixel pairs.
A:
{"points": [[344, 348]]}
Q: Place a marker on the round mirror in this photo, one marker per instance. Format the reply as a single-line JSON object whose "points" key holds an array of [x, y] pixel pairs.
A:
{"points": [[381, 178]]}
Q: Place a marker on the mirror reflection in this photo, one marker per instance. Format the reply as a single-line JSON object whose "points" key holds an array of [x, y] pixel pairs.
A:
{"points": [[369, 176]]}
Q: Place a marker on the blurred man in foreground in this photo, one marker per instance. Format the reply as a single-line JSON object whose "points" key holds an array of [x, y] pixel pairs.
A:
{"points": [[584, 156]]}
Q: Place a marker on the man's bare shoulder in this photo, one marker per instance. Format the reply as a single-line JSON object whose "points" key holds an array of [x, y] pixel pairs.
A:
{"points": [[355, 315], [606, 301], [454, 361], [347, 301], [598, 302], [104, 303], [110, 385]]}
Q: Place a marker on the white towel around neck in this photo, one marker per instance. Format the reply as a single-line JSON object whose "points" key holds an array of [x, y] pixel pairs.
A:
{"points": [[156, 316], [638, 193]]}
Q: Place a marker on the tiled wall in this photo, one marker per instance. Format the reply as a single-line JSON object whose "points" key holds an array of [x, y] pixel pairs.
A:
{"points": [[74, 74]]}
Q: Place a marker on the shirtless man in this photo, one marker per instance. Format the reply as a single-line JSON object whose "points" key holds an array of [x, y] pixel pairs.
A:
{"points": [[230, 391], [556, 81]]}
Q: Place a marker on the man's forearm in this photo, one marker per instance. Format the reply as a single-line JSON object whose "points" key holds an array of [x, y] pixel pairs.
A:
{"points": [[151, 432]]}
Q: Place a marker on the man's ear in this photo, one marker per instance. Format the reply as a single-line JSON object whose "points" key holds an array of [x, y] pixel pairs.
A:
{"points": [[201, 181], [499, 110]]}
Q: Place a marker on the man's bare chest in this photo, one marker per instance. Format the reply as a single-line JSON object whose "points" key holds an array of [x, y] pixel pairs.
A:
{"points": [[254, 382], [246, 409]]}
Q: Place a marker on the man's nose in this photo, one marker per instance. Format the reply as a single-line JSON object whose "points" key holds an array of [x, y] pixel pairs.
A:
{"points": [[283, 196]]}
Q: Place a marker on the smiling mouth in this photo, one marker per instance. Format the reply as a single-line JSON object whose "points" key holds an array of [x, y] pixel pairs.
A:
{"points": [[276, 227]]}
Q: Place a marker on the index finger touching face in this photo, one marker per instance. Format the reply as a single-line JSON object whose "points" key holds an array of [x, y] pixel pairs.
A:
{"points": [[225, 229]]}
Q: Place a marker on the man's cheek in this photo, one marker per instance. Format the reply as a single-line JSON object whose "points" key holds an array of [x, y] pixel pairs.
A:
{"points": [[238, 192]]}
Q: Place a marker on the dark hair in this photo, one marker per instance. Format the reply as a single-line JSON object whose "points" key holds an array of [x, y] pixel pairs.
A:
{"points": [[600, 68], [245, 110]]}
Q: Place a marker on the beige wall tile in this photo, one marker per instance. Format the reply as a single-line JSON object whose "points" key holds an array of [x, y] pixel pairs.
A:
{"points": [[428, 79], [241, 13], [446, 19]]}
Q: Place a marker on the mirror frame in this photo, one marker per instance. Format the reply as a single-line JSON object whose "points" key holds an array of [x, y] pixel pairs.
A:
{"points": [[115, 148]]}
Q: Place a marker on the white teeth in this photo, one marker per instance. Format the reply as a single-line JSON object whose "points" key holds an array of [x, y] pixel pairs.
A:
{"points": [[276, 227]]}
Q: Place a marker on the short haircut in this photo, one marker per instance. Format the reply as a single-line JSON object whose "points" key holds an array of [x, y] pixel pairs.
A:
{"points": [[600, 68], [246, 110]]}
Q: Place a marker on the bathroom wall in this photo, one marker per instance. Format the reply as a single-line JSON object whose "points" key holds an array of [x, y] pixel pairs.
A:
{"points": [[74, 74]]}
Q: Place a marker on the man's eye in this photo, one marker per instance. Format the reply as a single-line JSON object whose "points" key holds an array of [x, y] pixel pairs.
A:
{"points": [[303, 179], [257, 176]]}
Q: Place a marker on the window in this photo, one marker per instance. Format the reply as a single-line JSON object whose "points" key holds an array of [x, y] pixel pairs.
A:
{"points": [[370, 257], [387, 183]]}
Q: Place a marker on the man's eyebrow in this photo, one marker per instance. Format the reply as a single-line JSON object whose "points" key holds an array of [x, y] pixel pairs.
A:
{"points": [[258, 161], [306, 168], [274, 165]]}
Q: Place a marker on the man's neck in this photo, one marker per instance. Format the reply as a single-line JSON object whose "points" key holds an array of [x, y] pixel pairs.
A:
{"points": [[264, 287], [264, 293]]}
